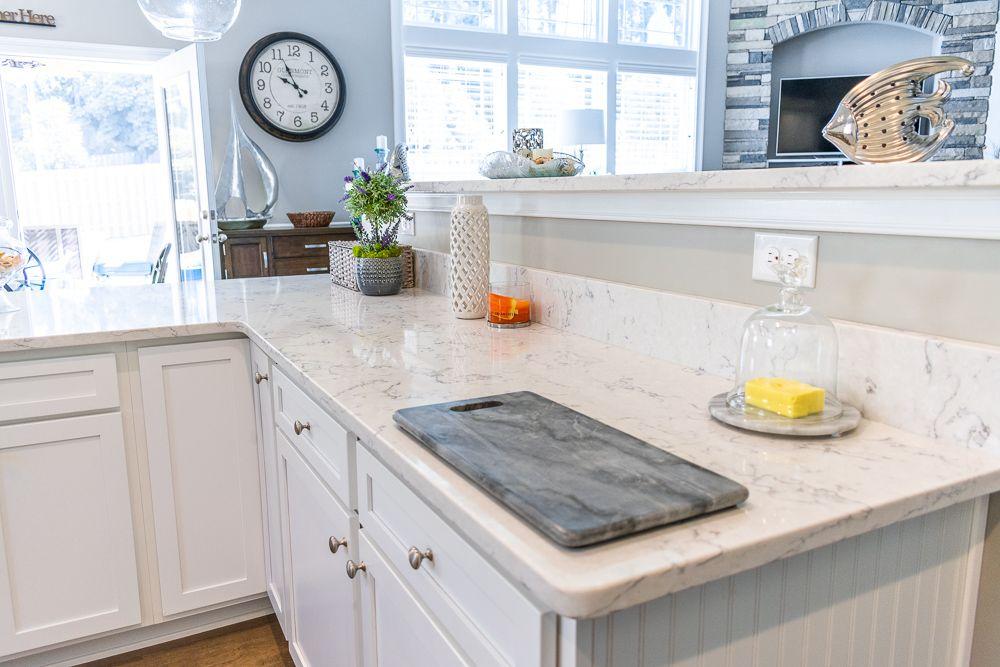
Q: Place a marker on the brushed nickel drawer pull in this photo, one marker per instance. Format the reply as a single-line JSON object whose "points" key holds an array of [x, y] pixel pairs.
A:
{"points": [[317, 269], [353, 568], [259, 377], [335, 544], [417, 557], [313, 246], [299, 427]]}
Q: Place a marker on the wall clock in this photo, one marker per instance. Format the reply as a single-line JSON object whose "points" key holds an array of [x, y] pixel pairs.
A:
{"points": [[292, 86]]}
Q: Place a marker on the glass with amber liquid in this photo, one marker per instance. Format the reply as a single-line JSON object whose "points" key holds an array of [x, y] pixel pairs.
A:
{"points": [[510, 305]]}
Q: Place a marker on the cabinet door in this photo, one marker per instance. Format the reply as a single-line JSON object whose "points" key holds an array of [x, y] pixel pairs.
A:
{"points": [[67, 555], [274, 562], [246, 257], [202, 446], [396, 629], [321, 598]]}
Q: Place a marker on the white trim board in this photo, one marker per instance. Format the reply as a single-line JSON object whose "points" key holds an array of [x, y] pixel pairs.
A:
{"points": [[951, 212]]}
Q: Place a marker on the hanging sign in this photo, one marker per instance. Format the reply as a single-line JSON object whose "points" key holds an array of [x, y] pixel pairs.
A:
{"points": [[27, 17]]}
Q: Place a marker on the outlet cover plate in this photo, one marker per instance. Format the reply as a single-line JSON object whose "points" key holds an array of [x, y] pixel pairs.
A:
{"points": [[768, 248], [408, 227]]}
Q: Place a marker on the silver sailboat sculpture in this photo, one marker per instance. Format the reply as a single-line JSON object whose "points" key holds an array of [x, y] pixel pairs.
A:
{"points": [[231, 185]]}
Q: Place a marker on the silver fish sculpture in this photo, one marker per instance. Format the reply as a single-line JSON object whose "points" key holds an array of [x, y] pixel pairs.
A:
{"points": [[878, 120]]}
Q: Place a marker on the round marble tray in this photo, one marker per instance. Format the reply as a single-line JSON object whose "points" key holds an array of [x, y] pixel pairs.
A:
{"points": [[777, 425]]}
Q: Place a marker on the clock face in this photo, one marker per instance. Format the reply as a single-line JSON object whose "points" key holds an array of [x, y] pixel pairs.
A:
{"points": [[292, 86]]}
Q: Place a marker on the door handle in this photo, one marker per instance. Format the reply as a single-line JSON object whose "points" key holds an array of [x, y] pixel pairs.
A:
{"points": [[201, 238]]}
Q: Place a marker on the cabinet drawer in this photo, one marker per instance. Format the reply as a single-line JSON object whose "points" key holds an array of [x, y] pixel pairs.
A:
{"points": [[301, 266], [301, 246], [492, 621], [327, 446], [49, 387]]}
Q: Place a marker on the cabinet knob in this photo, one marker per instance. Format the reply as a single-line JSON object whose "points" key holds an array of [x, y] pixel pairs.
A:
{"points": [[417, 557], [259, 377], [335, 544], [299, 427], [353, 568]]}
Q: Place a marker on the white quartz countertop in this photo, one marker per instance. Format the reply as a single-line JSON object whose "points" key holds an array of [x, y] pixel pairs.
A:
{"points": [[362, 358], [972, 173]]}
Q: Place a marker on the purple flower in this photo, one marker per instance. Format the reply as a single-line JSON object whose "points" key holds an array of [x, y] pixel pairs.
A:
{"points": [[390, 197], [343, 199], [360, 189], [348, 179], [365, 175]]}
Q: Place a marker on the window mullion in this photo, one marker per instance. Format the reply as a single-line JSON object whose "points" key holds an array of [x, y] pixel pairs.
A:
{"points": [[611, 117]]}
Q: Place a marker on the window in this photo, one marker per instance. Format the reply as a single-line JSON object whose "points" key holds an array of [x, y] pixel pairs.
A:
{"points": [[466, 14], [473, 70], [543, 91], [656, 122], [572, 19], [456, 112], [654, 22]]}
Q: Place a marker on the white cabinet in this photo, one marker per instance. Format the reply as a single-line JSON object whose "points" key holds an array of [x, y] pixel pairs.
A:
{"points": [[321, 538], [67, 555], [203, 469], [274, 561], [396, 627]]}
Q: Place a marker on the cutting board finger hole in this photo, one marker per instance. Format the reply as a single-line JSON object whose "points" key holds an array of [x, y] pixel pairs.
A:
{"points": [[482, 405]]}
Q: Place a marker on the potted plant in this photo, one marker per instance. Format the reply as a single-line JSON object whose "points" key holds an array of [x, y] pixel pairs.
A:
{"points": [[378, 200]]}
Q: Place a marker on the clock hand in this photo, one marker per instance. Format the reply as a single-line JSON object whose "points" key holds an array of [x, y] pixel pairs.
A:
{"points": [[300, 91]]}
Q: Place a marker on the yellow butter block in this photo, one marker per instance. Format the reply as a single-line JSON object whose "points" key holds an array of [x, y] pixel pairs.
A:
{"points": [[787, 398]]}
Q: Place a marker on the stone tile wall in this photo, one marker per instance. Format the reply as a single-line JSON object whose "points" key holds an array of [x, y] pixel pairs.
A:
{"points": [[967, 29]]}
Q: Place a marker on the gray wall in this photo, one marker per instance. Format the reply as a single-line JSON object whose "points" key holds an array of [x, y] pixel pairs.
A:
{"points": [[846, 50], [357, 33], [945, 287], [716, 47]]}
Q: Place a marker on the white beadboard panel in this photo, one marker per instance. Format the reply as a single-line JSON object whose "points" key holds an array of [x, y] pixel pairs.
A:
{"points": [[894, 596]]}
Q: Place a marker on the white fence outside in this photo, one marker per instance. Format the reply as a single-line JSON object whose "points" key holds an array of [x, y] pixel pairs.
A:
{"points": [[119, 211]]}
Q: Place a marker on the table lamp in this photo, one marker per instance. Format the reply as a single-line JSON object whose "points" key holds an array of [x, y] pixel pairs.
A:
{"points": [[580, 127]]}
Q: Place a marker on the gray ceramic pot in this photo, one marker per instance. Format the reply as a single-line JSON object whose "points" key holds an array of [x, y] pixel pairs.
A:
{"points": [[380, 276]]}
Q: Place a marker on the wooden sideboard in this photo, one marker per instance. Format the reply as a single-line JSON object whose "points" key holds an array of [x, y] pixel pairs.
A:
{"points": [[258, 253]]}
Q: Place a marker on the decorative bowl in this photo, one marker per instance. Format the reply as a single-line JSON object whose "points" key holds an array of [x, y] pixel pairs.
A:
{"points": [[503, 164], [311, 218]]}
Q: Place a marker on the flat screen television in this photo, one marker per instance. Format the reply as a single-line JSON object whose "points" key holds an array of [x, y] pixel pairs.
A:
{"points": [[804, 107]]}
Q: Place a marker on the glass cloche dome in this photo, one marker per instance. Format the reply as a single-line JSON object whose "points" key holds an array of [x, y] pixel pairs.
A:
{"points": [[787, 368]]}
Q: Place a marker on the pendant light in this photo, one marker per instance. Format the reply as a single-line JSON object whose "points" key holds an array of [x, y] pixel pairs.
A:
{"points": [[191, 20]]}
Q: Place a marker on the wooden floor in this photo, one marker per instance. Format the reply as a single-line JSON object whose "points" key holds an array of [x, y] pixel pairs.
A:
{"points": [[256, 643]]}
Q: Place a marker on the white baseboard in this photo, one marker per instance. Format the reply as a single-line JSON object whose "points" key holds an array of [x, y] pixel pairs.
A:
{"points": [[143, 637]]}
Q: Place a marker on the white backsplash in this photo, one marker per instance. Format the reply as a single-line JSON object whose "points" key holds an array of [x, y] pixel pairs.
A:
{"points": [[939, 387]]}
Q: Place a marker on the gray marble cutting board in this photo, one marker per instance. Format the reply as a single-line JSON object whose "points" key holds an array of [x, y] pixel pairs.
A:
{"points": [[575, 479]]}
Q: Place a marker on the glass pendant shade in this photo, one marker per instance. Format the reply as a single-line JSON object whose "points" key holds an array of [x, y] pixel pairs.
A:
{"points": [[191, 20], [788, 341]]}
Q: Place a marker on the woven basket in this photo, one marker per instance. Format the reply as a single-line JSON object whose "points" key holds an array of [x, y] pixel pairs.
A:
{"points": [[344, 266], [311, 218]]}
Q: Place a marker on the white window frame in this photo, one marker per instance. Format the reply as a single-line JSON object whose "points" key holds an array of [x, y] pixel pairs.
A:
{"points": [[507, 45]]}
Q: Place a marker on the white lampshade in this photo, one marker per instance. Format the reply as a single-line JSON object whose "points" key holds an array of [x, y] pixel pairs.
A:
{"points": [[191, 20], [579, 126]]}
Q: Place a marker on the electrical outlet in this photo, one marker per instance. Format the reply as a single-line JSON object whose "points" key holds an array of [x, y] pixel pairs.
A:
{"points": [[771, 249], [408, 227]]}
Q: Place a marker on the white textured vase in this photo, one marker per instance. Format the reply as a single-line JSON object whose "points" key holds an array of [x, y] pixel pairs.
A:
{"points": [[469, 279]]}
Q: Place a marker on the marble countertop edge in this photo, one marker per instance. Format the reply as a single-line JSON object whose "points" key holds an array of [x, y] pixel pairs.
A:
{"points": [[966, 174]]}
